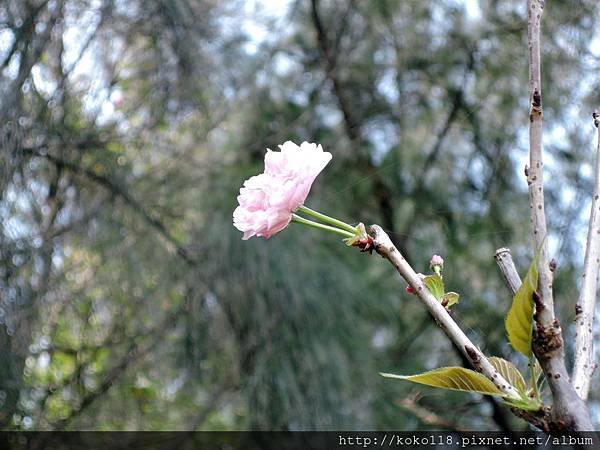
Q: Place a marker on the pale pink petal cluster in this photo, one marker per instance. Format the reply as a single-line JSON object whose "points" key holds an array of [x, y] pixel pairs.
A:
{"points": [[267, 201], [436, 261]]}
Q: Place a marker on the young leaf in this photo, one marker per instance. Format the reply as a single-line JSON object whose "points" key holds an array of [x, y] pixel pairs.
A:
{"points": [[510, 373], [453, 378], [520, 316], [435, 284], [451, 298]]}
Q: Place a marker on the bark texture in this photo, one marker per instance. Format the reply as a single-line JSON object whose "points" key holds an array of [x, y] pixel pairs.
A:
{"points": [[568, 412], [584, 309]]}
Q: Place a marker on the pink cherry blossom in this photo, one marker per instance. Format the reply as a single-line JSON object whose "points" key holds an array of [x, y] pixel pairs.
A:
{"points": [[267, 201], [436, 260]]}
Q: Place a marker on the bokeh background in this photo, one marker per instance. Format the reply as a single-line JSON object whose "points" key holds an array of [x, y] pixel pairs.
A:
{"points": [[127, 299]]}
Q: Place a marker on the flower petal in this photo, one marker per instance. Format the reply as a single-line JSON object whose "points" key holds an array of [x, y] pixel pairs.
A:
{"points": [[267, 201]]}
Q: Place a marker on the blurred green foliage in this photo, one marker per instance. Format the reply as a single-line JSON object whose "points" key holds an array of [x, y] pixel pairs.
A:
{"points": [[127, 298]]}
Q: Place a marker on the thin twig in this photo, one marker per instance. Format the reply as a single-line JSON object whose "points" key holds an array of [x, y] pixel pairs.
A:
{"points": [[425, 415], [584, 310], [384, 246]]}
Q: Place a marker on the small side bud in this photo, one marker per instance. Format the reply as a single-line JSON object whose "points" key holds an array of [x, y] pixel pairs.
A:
{"points": [[596, 117], [537, 99], [409, 289], [552, 265]]}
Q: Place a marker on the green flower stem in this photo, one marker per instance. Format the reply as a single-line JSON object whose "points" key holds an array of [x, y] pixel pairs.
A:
{"points": [[296, 218], [330, 220], [533, 379]]}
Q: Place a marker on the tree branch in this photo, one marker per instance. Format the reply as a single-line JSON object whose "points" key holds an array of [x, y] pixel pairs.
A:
{"points": [[584, 310], [351, 122], [535, 171], [425, 415], [541, 419], [569, 411], [136, 351], [507, 268], [26, 30], [384, 246], [30, 58], [121, 193], [353, 125]]}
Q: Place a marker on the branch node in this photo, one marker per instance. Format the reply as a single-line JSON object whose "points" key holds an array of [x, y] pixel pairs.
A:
{"points": [[472, 354], [476, 360], [537, 99], [547, 341]]}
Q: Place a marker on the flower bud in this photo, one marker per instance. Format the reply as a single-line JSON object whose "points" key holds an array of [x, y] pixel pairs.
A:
{"points": [[436, 261]]}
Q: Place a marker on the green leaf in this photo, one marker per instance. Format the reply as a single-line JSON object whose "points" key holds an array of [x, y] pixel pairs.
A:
{"points": [[453, 378], [510, 373], [520, 316], [451, 298], [435, 284]]}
